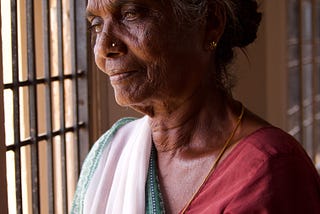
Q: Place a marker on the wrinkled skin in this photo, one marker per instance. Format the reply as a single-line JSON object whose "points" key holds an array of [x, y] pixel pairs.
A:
{"points": [[154, 60], [162, 69]]}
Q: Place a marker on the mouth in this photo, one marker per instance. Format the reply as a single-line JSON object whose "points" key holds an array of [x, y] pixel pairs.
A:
{"points": [[121, 76]]}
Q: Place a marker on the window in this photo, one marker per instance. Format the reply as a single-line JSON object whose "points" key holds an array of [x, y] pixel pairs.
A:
{"points": [[303, 114], [45, 67]]}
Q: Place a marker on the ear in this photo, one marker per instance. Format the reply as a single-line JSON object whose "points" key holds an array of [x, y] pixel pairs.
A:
{"points": [[216, 22]]}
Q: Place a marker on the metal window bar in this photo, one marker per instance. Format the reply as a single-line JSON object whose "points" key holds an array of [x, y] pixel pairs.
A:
{"points": [[301, 83], [3, 179], [32, 76], [81, 46], [315, 75], [300, 40], [294, 84], [62, 105], [310, 60], [16, 98], [74, 71], [306, 61], [78, 77], [47, 72]]}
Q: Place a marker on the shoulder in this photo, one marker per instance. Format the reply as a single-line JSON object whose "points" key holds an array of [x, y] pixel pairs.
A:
{"points": [[272, 141], [120, 129], [276, 167], [274, 158], [267, 172], [93, 158], [280, 161], [107, 136], [272, 147]]}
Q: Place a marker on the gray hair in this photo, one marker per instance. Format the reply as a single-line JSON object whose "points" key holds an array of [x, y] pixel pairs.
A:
{"points": [[242, 22]]}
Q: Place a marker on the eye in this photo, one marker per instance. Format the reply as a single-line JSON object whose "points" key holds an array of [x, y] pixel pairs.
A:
{"points": [[96, 25], [130, 15], [96, 28], [132, 12]]}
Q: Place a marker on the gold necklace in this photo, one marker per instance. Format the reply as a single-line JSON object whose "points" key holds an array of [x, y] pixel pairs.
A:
{"points": [[227, 143]]}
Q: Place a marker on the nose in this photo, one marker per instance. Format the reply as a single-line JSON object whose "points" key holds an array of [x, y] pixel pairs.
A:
{"points": [[108, 45]]}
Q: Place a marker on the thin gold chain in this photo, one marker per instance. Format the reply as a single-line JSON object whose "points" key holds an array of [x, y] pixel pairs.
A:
{"points": [[227, 143]]}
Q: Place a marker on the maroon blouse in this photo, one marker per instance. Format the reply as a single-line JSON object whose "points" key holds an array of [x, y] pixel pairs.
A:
{"points": [[268, 172]]}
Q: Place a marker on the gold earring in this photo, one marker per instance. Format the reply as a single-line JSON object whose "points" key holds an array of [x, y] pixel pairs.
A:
{"points": [[212, 45]]}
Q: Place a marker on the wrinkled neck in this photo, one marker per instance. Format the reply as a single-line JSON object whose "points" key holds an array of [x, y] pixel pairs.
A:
{"points": [[193, 123]]}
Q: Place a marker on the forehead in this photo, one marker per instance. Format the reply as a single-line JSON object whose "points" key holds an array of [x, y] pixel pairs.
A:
{"points": [[101, 4], [107, 5]]}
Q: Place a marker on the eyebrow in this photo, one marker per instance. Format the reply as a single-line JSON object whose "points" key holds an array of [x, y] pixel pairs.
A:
{"points": [[103, 5]]}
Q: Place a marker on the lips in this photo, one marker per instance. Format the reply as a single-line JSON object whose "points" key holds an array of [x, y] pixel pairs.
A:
{"points": [[121, 75]]}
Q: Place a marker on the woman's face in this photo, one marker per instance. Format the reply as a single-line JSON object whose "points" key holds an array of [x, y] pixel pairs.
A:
{"points": [[146, 54]]}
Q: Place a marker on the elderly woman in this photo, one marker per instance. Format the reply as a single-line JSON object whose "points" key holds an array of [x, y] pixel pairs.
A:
{"points": [[197, 150]]}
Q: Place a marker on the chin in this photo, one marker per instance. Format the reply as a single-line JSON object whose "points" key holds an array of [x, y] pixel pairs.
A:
{"points": [[127, 99], [121, 100], [138, 100]]}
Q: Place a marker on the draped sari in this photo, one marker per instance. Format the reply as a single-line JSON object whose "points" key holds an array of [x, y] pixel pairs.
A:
{"points": [[267, 172], [115, 177]]}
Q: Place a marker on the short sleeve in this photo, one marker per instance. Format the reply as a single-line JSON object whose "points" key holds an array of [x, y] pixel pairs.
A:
{"points": [[283, 184]]}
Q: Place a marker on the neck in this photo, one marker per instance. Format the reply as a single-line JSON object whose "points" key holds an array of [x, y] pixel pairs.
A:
{"points": [[200, 122]]}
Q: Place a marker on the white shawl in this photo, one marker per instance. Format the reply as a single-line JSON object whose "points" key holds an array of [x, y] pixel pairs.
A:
{"points": [[118, 183]]}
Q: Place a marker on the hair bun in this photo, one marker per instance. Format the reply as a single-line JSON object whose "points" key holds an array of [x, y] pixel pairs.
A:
{"points": [[248, 22], [242, 24]]}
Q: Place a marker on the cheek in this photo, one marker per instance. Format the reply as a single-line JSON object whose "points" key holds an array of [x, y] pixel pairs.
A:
{"points": [[144, 41]]}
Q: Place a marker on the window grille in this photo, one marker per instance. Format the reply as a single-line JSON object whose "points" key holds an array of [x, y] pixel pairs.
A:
{"points": [[303, 113], [45, 65]]}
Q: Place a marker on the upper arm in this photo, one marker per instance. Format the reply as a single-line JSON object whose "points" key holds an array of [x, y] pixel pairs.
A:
{"points": [[283, 184]]}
